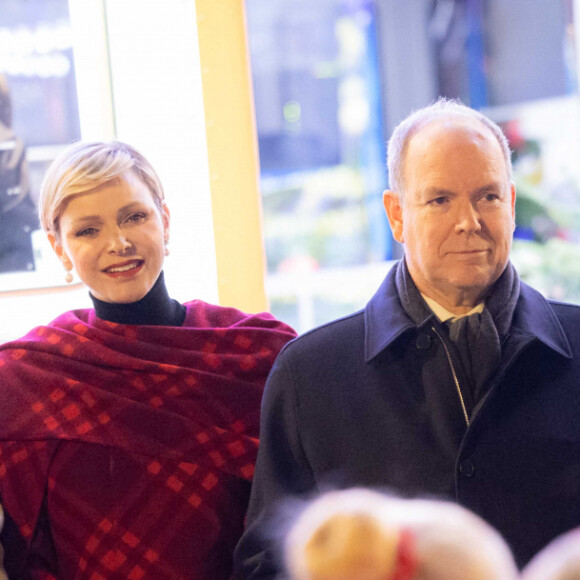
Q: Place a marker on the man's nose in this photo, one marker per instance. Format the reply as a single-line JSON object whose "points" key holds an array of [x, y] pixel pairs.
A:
{"points": [[467, 219]]}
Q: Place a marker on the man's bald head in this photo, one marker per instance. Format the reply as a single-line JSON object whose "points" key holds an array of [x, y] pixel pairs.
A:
{"points": [[409, 127]]}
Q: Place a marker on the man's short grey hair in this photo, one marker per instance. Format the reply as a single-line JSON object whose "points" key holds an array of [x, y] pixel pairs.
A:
{"points": [[407, 128]]}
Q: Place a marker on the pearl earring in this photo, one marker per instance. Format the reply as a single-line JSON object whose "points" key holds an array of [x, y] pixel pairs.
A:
{"points": [[68, 277]]}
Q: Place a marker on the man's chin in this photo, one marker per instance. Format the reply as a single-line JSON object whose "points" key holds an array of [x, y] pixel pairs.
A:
{"points": [[474, 277], [474, 287]]}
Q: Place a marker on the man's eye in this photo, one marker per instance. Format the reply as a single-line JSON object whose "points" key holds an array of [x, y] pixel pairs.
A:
{"points": [[438, 200], [491, 197]]}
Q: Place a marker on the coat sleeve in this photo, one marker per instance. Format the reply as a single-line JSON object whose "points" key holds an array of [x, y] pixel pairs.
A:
{"points": [[282, 472]]}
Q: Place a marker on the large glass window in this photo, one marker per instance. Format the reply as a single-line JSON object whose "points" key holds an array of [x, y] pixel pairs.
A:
{"points": [[321, 71], [38, 114], [98, 70], [319, 118], [518, 61], [533, 92]]}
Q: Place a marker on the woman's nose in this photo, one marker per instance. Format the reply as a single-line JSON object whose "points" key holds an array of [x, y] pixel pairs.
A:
{"points": [[118, 242]]}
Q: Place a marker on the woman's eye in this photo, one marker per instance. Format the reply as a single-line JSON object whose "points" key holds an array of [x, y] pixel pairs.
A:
{"points": [[86, 232], [136, 217]]}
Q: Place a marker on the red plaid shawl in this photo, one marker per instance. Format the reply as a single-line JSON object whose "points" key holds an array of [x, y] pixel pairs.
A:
{"points": [[127, 451]]}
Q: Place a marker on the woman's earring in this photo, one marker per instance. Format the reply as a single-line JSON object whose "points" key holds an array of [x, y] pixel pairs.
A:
{"points": [[68, 277]]}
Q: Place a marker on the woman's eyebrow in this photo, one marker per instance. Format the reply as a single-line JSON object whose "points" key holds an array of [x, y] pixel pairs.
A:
{"points": [[128, 207], [86, 218]]}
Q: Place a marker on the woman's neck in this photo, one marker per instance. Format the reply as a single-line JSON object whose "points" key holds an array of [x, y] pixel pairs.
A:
{"points": [[156, 308]]}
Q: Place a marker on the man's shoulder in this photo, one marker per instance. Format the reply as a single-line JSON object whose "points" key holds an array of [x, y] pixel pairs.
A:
{"points": [[566, 308], [554, 320], [333, 336], [568, 315], [535, 298]]}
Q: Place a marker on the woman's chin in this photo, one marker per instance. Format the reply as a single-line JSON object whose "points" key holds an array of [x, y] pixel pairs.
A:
{"points": [[122, 296]]}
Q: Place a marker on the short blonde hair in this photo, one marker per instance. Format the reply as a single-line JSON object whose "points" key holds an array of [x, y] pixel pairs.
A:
{"points": [[84, 166]]}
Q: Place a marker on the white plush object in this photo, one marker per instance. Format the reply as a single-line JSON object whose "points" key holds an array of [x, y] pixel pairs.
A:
{"points": [[354, 535], [559, 560]]}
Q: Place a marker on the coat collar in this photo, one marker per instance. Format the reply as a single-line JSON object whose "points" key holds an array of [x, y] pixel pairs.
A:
{"points": [[534, 316], [385, 319]]}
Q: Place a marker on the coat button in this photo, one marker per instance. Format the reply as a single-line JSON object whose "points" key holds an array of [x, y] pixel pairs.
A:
{"points": [[423, 342], [466, 468]]}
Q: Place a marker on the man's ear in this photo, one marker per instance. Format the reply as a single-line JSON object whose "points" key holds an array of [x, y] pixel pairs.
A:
{"points": [[394, 211], [513, 202]]}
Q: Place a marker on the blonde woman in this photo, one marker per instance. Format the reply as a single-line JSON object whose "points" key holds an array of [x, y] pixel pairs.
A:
{"points": [[128, 432]]}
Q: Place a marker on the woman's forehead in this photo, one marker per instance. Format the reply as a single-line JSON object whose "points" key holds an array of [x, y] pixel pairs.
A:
{"points": [[119, 191]]}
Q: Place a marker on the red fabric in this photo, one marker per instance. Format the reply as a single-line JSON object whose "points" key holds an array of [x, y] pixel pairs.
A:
{"points": [[127, 451]]}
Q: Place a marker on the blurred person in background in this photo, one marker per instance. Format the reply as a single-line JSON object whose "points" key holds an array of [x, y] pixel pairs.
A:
{"points": [[128, 432], [559, 560], [456, 381], [361, 534], [18, 214]]}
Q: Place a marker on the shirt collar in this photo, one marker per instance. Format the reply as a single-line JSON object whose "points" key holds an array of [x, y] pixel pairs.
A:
{"points": [[443, 314]]}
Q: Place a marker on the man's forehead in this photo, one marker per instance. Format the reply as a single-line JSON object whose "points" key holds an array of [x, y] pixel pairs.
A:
{"points": [[452, 123], [427, 189], [438, 138], [443, 142]]}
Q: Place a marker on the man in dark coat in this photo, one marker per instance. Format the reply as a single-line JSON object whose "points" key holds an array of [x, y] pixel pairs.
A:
{"points": [[456, 381]]}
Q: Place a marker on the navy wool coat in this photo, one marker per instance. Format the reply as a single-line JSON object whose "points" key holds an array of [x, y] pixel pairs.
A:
{"points": [[370, 400]]}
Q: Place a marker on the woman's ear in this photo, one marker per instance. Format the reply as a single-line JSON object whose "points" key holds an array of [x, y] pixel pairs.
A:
{"points": [[165, 218], [56, 246], [59, 251]]}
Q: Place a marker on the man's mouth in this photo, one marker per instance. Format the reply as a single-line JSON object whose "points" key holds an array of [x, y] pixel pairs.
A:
{"points": [[473, 251]]}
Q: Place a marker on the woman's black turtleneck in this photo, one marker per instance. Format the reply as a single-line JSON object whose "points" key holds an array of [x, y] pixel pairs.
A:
{"points": [[156, 308]]}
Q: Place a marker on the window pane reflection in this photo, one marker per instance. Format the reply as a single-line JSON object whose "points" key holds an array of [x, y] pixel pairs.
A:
{"points": [[318, 110], [38, 114]]}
